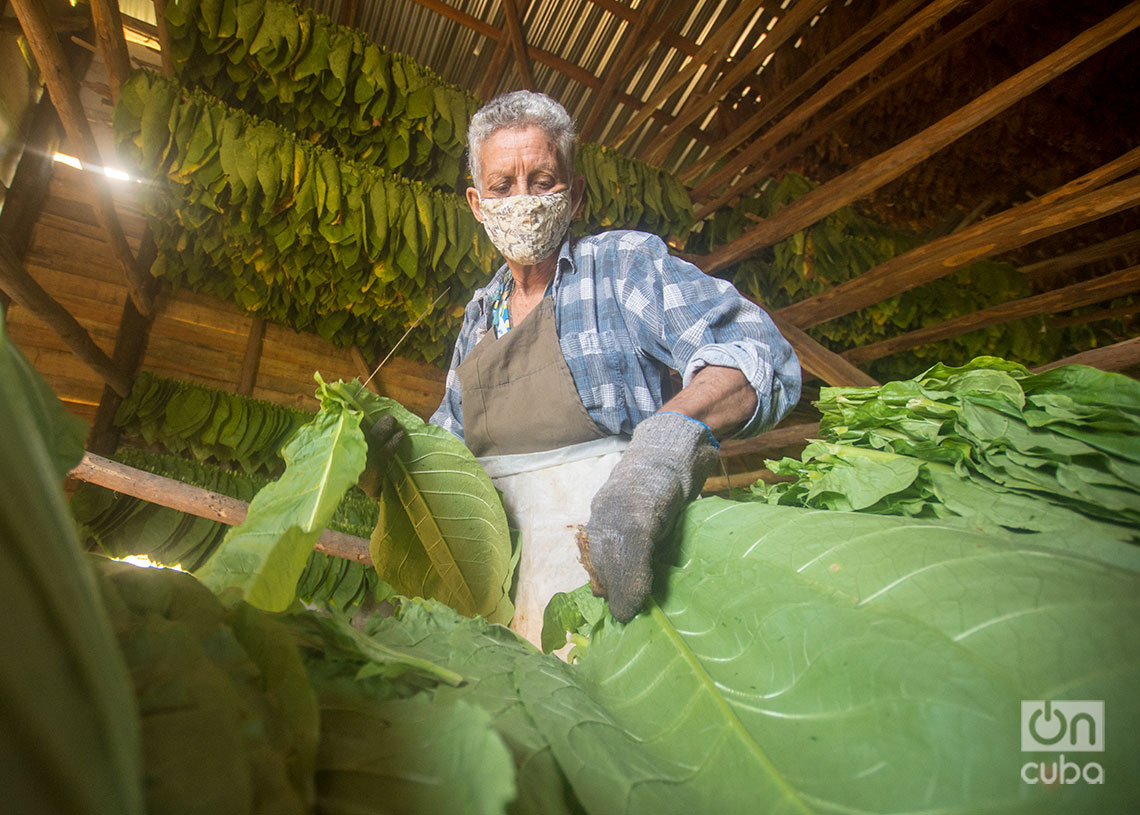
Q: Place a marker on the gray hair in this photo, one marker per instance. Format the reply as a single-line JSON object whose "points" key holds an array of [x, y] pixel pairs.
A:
{"points": [[521, 109]]}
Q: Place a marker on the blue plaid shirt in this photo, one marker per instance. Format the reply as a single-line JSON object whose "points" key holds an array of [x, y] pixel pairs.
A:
{"points": [[626, 312]]}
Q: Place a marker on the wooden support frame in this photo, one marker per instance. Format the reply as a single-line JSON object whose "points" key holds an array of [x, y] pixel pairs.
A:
{"points": [[112, 45], [629, 14], [26, 292], [999, 233], [886, 167], [844, 81], [1125, 354], [821, 362], [494, 71], [697, 106], [1097, 290], [168, 492], [772, 440], [251, 360], [164, 37], [1095, 316], [518, 42], [1128, 242], [64, 95]]}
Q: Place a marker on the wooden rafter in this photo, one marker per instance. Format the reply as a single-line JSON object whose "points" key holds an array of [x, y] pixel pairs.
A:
{"points": [[1095, 316], [251, 360], [1113, 247], [886, 167], [494, 70], [518, 42], [699, 104], [844, 81], [1116, 357], [64, 95], [629, 14], [716, 41], [999, 233], [631, 47], [112, 45], [989, 12], [772, 440], [820, 361], [1097, 290]]}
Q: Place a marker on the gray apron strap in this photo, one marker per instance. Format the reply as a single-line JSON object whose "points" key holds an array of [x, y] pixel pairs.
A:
{"points": [[518, 395]]}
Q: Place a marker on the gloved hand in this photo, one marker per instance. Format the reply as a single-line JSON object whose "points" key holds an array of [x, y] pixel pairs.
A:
{"points": [[661, 471], [383, 438]]}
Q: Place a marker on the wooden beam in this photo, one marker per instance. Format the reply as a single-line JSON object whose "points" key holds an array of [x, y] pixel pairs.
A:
{"points": [[629, 14], [772, 440], [819, 361], [348, 12], [26, 292], [65, 96], [1097, 290], [1095, 316], [252, 358], [788, 25], [130, 348], [164, 37], [886, 167], [168, 492], [999, 233], [1116, 357], [729, 28], [366, 376], [112, 45], [518, 42], [844, 81], [494, 72], [632, 45], [1104, 250]]}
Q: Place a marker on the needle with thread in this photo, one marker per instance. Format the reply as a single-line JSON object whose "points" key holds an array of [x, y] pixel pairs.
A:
{"points": [[419, 319]]}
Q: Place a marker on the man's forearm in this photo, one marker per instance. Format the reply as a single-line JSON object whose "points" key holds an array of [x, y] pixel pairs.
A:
{"points": [[720, 397]]}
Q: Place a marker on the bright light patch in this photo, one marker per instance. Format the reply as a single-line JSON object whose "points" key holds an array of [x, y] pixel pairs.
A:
{"points": [[143, 562], [70, 161], [119, 175]]}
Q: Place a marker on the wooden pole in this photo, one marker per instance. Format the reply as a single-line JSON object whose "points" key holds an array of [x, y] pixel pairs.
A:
{"points": [[1116, 357], [729, 28], [164, 37], [886, 167], [827, 63], [1097, 290], [112, 45], [252, 358], [187, 498], [629, 14], [1110, 248], [494, 72], [62, 90], [518, 42], [25, 291], [1092, 317], [821, 362], [772, 440], [789, 24], [999, 233]]}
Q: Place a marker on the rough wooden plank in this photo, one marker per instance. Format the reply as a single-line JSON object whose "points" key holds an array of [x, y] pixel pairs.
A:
{"points": [[1000, 233], [886, 167], [1095, 316], [1116, 357], [251, 358], [819, 361], [1097, 290], [112, 45], [772, 440], [1104, 250], [168, 492]]}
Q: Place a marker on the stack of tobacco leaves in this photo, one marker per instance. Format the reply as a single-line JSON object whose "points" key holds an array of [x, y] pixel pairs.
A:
{"points": [[988, 444]]}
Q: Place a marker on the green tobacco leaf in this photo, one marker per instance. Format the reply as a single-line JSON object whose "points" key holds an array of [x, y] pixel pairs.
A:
{"points": [[838, 662], [265, 556], [69, 730], [442, 531]]}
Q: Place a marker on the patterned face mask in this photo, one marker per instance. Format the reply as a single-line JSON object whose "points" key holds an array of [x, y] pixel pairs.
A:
{"points": [[527, 228]]}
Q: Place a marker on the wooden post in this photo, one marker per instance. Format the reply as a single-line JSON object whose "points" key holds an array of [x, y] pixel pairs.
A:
{"points": [[819, 361], [1097, 290], [25, 291], [1110, 248], [164, 37], [252, 359], [518, 42], [494, 72], [772, 440], [886, 167], [112, 44], [62, 89], [1109, 358], [999, 233], [214, 506]]}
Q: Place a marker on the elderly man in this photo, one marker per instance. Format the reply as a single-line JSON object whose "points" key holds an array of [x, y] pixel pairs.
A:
{"points": [[560, 377]]}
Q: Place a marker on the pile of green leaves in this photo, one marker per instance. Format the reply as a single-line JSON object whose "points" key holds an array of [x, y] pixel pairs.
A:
{"points": [[208, 423], [988, 443], [844, 245]]}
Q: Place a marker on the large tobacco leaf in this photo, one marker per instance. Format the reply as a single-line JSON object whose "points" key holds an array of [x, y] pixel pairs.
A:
{"points": [[804, 661], [442, 531], [265, 556], [69, 731]]}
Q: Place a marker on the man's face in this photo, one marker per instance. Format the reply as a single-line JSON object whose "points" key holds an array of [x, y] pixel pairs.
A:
{"points": [[519, 161]]}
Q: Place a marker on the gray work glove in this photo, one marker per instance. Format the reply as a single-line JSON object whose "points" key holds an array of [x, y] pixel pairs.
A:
{"points": [[383, 438], [661, 471]]}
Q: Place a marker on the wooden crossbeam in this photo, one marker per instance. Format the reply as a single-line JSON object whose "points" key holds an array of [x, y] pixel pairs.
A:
{"points": [[26, 292], [494, 71], [214, 506], [1116, 357], [629, 14], [999, 233], [64, 95], [820, 361], [1113, 247], [723, 34], [518, 42], [844, 81], [772, 440], [1095, 316], [886, 167], [251, 360], [1097, 290], [699, 104]]}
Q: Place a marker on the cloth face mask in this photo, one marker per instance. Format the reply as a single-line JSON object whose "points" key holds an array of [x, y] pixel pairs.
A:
{"points": [[527, 228]]}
